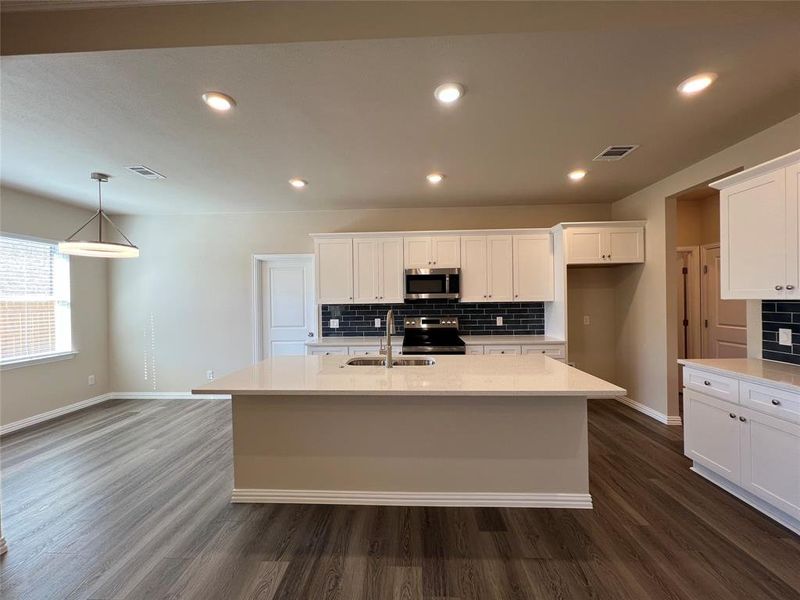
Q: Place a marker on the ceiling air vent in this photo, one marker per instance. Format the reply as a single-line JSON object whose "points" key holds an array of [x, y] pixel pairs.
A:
{"points": [[145, 172], [616, 152]]}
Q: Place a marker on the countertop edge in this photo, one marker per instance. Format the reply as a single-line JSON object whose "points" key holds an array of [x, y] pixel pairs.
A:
{"points": [[468, 340], [382, 393], [688, 362]]}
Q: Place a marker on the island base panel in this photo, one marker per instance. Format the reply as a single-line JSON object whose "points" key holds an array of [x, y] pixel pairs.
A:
{"points": [[452, 451]]}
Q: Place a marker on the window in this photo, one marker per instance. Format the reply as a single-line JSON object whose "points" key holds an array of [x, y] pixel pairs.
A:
{"points": [[34, 300]]}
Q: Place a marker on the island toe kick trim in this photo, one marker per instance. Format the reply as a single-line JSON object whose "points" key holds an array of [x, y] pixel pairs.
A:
{"points": [[495, 499], [781, 517], [650, 412]]}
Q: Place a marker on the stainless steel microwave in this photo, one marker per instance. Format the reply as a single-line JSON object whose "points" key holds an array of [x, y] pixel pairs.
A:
{"points": [[432, 284]]}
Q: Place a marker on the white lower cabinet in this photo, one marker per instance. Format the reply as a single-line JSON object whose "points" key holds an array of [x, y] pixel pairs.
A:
{"points": [[474, 349], [753, 449], [326, 350]]}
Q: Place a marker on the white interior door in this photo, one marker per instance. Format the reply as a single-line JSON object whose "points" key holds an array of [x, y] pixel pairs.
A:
{"points": [[288, 315], [724, 321]]}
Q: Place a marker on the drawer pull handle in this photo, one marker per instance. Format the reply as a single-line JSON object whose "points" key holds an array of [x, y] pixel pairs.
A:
{"points": [[776, 402], [731, 415], [742, 419], [706, 382]]}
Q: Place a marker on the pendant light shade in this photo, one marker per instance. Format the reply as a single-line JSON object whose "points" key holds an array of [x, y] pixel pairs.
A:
{"points": [[99, 247]]}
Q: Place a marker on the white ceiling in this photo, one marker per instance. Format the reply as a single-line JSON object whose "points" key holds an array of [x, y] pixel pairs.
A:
{"points": [[358, 119]]}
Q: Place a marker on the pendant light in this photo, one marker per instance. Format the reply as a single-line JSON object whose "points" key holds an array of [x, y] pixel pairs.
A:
{"points": [[99, 247]]}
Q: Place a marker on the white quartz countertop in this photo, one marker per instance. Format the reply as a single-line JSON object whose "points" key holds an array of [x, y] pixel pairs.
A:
{"points": [[470, 340], [470, 375], [757, 370]]}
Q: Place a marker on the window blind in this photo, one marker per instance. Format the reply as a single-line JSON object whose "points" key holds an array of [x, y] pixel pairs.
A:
{"points": [[34, 299]]}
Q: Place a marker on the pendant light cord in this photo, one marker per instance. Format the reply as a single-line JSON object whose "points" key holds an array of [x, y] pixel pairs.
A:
{"points": [[100, 205]]}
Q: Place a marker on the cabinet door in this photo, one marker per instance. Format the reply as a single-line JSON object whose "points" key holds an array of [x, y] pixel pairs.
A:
{"points": [[474, 269], [446, 252], [711, 434], [500, 282], [533, 267], [771, 460], [390, 288], [334, 269], [417, 253], [793, 234], [326, 350], [585, 245], [624, 245], [366, 271], [754, 235]]}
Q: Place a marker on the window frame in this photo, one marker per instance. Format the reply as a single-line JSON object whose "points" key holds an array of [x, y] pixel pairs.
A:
{"points": [[61, 314]]}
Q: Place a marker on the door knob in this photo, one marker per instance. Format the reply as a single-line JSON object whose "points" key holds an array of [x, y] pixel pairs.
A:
{"points": [[779, 287]]}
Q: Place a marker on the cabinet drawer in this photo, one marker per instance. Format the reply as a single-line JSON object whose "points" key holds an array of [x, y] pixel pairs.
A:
{"points": [[327, 350], [778, 403], [474, 349], [363, 350], [719, 386], [551, 351], [501, 350]]}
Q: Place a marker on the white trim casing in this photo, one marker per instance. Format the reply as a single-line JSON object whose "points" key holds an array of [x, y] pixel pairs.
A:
{"points": [[38, 360], [650, 412], [532, 500], [52, 414], [781, 517]]}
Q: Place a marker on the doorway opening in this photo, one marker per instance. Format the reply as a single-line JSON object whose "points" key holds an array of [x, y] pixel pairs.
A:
{"points": [[284, 308], [708, 326]]}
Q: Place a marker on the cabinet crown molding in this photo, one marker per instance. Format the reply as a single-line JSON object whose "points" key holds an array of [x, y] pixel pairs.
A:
{"points": [[443, 232], [771, 165], [573, 224]]}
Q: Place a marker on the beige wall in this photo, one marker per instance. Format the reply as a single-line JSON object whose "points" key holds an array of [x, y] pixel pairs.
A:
{"points": [[646, 314], [591, 292], [184, 306], [31, 390], [697, 221]]}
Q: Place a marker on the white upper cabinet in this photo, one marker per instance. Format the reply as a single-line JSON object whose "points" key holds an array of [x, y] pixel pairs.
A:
{"points": [[533, 267], [334, 270], [759, 231], [598, 243], [437, 252], [378, 270], [487, 273]]}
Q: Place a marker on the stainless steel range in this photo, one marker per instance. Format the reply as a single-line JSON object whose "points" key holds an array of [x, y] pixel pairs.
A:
{"points": [[432, 335]]}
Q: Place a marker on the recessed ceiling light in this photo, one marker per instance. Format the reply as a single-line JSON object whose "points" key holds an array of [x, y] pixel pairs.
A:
{"points": [[696, 83], [447, 93], [577, 174], [219, 101], [298, 183], [435, 178]]}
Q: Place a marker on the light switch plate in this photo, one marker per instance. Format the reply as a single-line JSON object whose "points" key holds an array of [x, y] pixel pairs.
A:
{"points": [[334, 323], [378, 322], [499, 320], [785, 337]]}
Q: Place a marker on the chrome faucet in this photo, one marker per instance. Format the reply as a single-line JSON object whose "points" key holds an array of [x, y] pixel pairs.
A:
{"points": [[389, 333]]}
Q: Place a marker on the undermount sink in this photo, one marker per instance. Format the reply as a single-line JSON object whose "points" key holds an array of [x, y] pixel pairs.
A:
{"points": [[380, 361]]}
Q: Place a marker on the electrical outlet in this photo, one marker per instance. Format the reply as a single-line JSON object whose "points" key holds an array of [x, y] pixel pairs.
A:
{"points": [[92, 380], [587, 320], [210, 375], [378, 322], [499, 320], [333, 323], [785, 337]]}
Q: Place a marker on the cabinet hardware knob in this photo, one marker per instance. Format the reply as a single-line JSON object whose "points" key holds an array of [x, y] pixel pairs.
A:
{"points": [[779, 287], [490, 295], [609, 257], [544, 351], [516, 295], [502, 351], [742, 419], [604, 256], [731, 415], [790, 287], [776, 402], [706, 382]]}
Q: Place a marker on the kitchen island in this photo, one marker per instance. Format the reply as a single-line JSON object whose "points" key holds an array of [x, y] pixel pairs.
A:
{"points": [[466, 431]]}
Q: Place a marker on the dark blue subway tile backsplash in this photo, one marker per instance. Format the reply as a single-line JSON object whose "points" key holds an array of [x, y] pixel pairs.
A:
{"points": [[780, 315], [519, 318]]}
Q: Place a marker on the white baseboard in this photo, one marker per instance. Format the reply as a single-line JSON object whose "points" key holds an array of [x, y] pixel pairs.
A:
{"points": [[533, 500], [773, 513], [650, 412], [64, 410], [52, 414]]}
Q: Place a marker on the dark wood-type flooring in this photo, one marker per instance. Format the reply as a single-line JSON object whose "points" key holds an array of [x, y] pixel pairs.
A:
{"points": [[130, 500]]}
